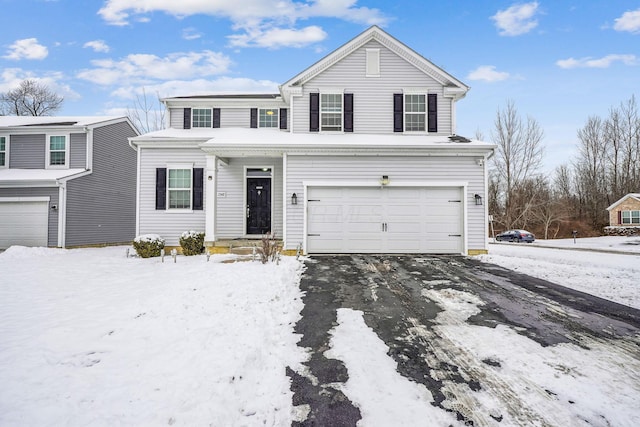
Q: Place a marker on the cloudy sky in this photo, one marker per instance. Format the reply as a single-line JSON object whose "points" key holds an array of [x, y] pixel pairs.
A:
{"points": [[559, 61]]}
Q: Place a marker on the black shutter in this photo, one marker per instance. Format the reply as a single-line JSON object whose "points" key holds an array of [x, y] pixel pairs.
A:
{"points": [[314, 112], [187, 118], [398, 112], [348, 112], [432, 112], [619, 218], [161, 188], [198, 184], [253, 122], [283, 118], [216, 118]]}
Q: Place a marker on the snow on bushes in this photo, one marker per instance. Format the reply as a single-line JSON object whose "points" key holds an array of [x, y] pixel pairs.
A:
{"points": [[192, 242], [148, 245]]}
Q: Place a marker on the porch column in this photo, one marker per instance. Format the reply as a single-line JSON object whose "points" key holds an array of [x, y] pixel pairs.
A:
{"points": [[211, 186]]}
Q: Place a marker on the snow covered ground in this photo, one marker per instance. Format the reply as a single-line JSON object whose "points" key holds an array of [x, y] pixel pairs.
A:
{"points": [[615, 277], [89, 337]]}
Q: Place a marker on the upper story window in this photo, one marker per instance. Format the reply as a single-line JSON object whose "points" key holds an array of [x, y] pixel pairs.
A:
{"points": [[3, 151], [331, 112], [268, 118], [201, 117], [179, 188], [57, 151], [631, 217], [414, 113]]}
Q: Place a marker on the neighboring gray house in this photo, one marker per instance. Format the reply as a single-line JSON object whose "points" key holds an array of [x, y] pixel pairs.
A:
{"points": [[356, 154], [66, 181]]}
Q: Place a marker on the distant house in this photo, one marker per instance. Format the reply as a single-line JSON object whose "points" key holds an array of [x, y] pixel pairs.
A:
{"points": [[356, 154], [624, 215], [66, 181]]}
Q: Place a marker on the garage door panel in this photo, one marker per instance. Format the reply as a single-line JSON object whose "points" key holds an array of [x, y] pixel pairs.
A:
{"points": [[385, 220], [23, 223]]}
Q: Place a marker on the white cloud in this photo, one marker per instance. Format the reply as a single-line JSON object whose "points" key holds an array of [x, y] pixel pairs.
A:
{"points": [[603, 62], [629, 21], [191, 34], [27, 49], [10, 78], [255, 17], [488, 73], [198, 87], [279, 37], [517, 19], [97, 45], [149, 68]]}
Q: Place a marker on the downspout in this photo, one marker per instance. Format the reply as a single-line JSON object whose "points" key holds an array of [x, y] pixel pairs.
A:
{"points": [[62, 213], [138, 153]]}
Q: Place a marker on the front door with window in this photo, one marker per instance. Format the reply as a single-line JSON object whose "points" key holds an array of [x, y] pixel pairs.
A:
{"points": [[258, 205]]}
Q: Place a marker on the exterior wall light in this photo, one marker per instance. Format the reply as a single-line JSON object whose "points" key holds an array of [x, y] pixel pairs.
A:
{"points": [[294, 199], [384, 180], [478, 199]]}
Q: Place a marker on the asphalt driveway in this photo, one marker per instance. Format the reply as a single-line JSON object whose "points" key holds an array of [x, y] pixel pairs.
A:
{"points": [[390, 291]]}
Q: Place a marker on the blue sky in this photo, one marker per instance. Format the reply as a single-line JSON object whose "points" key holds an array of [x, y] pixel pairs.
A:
{"points": [[559, 61]]}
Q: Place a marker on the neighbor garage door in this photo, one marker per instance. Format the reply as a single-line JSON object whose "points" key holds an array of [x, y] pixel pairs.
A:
{"points": [[384, 220], [23, 223]]}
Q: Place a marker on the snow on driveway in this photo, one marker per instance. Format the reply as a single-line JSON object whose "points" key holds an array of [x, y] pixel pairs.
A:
{"points": [[89, 337]]}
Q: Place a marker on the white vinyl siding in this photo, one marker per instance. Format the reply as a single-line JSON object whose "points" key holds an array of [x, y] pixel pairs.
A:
{"points": [[176, 118], [231, 208], [167, 223], [373, 98], [235, 117], [427, 171]]}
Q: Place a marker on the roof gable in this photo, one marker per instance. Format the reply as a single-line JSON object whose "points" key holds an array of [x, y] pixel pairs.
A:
{"points": [[386, 40], [635, 196]]}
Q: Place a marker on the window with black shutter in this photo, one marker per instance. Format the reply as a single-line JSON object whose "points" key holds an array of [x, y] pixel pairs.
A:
{"points": [[314, 112], [348, 112], [161, 188]]}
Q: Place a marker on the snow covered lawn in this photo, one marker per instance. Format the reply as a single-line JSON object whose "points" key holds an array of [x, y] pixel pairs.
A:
{"points": [[615, 277], [89, 337]]}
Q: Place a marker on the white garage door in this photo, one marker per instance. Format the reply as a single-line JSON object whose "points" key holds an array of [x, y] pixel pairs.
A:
{"points": [[23, 223], [384, 220]]}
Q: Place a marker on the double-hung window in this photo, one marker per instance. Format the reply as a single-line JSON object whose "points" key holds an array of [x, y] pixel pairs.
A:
{"points": [[201, 117], [331, 111], [3, 151], [414, 113], [57, 151], [268, 118], [179, 188], [631, 217]]}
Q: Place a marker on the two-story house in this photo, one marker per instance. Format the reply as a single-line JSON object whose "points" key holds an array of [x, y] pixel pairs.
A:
{"points": [[355, 154], [66, 181]]}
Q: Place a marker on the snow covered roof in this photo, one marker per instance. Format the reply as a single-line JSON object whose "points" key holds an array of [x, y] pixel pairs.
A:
{"points": [[625, 197], [35, 176], [55, 121], [230, 142]]}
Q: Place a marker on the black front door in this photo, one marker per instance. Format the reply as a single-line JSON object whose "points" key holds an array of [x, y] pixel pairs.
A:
{"points": [[258, 205]]}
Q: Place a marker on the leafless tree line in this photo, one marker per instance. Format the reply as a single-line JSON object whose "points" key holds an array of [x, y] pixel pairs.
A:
{"points": [[576, 195]]}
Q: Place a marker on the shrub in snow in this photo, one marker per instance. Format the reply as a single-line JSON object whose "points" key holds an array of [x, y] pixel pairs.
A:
{"points": [[148, 245], [268, 249], [192, 243]]}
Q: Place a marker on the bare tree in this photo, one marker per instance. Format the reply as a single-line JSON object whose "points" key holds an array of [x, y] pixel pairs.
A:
{"points": [[146, 115], [30, 98], [518, 157]]}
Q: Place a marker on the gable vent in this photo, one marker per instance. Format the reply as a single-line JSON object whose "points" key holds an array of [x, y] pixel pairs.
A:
{"points": [[373, 63]]}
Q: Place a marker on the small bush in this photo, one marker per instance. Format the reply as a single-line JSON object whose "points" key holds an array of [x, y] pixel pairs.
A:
{"points": [[268, 249], [192, 243], [148, 245]]}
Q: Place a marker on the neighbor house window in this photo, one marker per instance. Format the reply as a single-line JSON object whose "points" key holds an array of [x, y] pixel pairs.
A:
{"points": [[201, 117], [57, 148], [179, 188], [631, 217], [268, 118], [331, 112], [414, 113], [3, 151]]}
